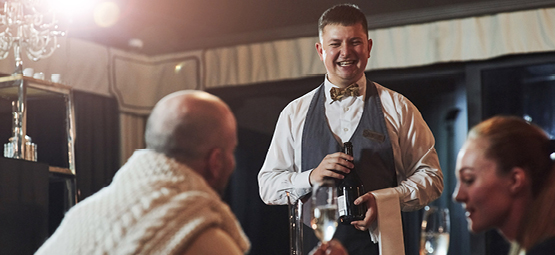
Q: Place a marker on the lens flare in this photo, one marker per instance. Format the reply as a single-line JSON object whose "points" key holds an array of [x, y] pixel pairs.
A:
{"points": [[106, 14]]}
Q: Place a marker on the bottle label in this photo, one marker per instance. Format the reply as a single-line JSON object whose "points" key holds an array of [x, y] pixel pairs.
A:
{"points": [[342, 205]]}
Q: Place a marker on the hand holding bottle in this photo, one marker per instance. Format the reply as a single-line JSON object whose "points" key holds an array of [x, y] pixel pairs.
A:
{"points": [[334, 165], [348, 190], [371, 213]]}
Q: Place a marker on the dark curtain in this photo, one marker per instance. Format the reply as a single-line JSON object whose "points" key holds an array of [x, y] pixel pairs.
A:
{"points": [[96, 142]]}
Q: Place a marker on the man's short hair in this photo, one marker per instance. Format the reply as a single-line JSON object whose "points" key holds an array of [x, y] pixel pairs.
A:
{"points": [[342, 14]]}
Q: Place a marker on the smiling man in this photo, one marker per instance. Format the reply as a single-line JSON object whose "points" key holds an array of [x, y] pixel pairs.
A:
{"points": [[394, 150], [344, 50]]}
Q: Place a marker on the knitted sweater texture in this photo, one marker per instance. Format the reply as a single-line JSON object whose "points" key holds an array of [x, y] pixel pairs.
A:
{"points": [[154, 205]]}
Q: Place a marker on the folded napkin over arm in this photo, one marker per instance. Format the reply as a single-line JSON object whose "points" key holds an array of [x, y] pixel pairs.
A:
{"points": [[388, 227]]}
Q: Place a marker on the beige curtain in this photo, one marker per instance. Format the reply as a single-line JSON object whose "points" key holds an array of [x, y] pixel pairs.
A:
{"points": [[132, 129], [139, 81]]}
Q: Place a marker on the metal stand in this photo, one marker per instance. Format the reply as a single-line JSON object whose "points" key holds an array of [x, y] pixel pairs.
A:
{"points": [[295, 226], [17, 88]]}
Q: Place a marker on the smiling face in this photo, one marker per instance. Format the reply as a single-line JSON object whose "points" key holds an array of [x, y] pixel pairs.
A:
{"points": [[344, 50], [485, 194]]}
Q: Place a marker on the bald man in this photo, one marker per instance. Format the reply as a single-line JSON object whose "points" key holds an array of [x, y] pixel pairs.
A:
{"points": [[165, 199]]}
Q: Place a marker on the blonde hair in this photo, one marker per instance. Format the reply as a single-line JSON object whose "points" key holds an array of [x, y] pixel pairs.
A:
{"points": [[539, 222]]}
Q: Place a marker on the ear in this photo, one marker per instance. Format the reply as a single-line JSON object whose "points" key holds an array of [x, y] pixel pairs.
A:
{"points": [[214, 165], [320, 50], [519, 180], [369, 47]]}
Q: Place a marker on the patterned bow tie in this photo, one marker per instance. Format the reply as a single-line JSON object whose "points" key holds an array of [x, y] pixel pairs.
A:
{"points": [[340, 93]]}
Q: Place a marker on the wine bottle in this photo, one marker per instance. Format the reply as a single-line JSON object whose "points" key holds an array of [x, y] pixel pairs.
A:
{"points": [[348, 190]]}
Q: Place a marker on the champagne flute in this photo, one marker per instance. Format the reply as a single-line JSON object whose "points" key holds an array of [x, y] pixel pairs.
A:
{"points": [[434, 238], [324, 210]]}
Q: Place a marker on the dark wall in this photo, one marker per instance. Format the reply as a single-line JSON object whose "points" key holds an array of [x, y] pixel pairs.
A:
{"points": [[256, 108], [440, 95]]}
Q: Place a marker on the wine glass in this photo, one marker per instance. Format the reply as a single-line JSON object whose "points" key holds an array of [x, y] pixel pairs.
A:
{"points": [[434, 238], [324, 210]]}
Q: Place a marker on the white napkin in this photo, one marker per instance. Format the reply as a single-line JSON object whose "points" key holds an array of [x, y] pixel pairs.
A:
{"points": [[388, 228]]}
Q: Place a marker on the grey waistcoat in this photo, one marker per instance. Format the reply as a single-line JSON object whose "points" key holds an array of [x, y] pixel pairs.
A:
{"points": [[373, 155]]}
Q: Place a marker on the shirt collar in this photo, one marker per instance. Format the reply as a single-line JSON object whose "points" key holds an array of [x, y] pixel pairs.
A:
{"points": [[361, 84]]}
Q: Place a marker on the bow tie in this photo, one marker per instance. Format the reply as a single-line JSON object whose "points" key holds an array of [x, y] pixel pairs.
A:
{"points": [[340, 93]]}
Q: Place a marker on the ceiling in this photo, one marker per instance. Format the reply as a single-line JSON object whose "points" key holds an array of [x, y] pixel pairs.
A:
{"points": [[168, 26]]}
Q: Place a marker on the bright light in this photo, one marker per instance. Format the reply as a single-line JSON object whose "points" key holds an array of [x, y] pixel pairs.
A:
{"points": [[106, 14], [135, 43], [178, 67], [71, 7]]}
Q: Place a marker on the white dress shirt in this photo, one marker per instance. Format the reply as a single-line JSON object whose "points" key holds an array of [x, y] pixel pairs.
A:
{"points": [[345, 114], [419, 176]]}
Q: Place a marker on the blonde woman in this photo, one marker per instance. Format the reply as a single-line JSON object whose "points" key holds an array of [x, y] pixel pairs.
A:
{"points": [[506, 181]]}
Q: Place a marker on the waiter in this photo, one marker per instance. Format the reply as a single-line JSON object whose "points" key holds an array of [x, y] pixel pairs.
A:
{"points": [[394, 150]]}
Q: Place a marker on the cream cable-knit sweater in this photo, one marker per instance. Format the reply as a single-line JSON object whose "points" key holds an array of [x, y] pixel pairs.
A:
{"points": [[154, 205]]}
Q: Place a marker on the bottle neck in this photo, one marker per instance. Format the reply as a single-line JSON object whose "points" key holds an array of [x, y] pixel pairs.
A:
{"points": [[348, 148]]}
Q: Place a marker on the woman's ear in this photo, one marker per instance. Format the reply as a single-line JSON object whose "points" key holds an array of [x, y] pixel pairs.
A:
{"points": [[519, 180]]}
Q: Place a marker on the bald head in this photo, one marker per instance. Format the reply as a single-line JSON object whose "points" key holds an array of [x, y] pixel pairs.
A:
{"points": [[185, 125]]}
